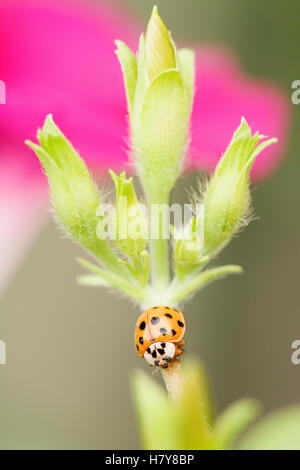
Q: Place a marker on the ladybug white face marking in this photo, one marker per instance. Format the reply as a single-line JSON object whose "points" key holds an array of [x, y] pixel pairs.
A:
{"points": [[160, 354]]}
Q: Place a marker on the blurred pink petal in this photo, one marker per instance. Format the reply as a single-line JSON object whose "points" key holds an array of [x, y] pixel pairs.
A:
{"points": [[224, 93], [57, 56], [22, 212]]}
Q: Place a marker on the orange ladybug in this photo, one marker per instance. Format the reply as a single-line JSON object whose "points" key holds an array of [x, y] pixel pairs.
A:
{"points": [[158, 335]]}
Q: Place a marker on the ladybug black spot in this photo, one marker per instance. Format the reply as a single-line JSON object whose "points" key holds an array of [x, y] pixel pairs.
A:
{"points": [[161, 351], [168, 315], [142, 325], [180, 323], [163, 331], [148, 350], [173, 332], [141, 340], [163, 345], [154, 320], [154, 355]]}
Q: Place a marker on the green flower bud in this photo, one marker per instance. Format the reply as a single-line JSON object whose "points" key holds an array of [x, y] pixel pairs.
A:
{"points": [[130, 218], [130, 228], [188, 248], [159, 88], [227, 197], [75, 198]]}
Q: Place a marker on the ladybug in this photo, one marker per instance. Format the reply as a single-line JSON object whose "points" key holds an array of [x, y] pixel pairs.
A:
{"points": [[158, 335]]}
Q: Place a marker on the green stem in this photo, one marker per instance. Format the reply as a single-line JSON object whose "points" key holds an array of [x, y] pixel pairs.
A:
{"points": [[159, 247], [174, 380], [160, 267]]}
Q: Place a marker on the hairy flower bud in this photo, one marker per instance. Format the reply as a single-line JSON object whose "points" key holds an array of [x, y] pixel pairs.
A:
{"points": [[74, 196], [227, 197], [159, 87], [130, 217]]}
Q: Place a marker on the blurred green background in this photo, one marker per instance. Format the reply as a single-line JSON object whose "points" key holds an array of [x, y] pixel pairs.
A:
{"points": [[70, 349]]}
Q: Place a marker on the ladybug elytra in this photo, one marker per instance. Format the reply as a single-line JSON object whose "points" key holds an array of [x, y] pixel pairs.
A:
{"points": [[158, 335]]}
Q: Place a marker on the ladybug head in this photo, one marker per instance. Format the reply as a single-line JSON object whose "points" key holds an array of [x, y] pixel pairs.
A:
{"points": [[160, 354]]}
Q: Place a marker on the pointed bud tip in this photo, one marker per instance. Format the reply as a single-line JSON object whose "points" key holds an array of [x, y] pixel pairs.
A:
{"points": [[49, 126], [119, 45], [30, 144], [159, 50]]}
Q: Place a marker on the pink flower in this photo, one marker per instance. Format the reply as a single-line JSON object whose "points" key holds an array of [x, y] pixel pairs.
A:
{"points": [[57, 56], [224, 93]]}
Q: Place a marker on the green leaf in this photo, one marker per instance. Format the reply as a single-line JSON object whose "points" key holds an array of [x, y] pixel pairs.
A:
{"points": [[129, 288], [163, 424], [129, 68], [153, 409], [199, 386], [279, 430], [182, 289], [234, 420], [92, 280]]}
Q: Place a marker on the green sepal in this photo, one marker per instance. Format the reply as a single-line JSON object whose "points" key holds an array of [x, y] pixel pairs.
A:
{"points": [[159, 49], [128, 63], [111, 279], [186, 59], [161, 135]]}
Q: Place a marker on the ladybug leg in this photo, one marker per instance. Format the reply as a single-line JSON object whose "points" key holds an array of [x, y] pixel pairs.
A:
{"points": [[178, 352]]}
